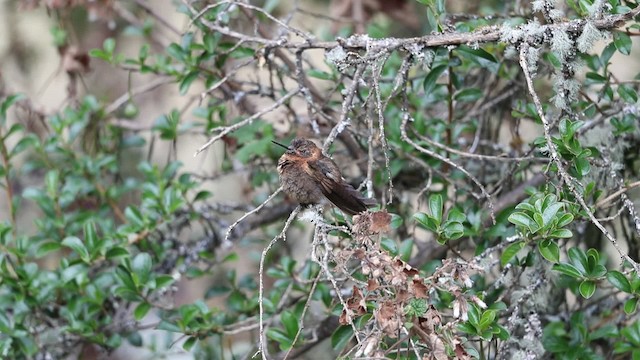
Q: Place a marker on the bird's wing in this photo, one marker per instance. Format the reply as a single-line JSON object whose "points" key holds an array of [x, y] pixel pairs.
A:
{"points": [[335, 188]]}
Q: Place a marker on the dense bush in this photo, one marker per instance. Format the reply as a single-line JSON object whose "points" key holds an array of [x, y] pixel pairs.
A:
{"points": [[501, 143]]}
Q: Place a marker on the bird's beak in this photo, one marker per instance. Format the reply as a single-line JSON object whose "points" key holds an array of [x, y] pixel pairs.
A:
{"points": [[277, 143]]}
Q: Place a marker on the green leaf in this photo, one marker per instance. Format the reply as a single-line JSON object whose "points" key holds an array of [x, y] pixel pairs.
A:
{"points": [[116, 252], [597, 271], [431, 78], [141, 310], [631, 305], [467, 328], [76, 245], [568, 270], [6, 325], [389, 245], [549, 250], [526, 207], [480, 52], [579, 259], [503, 333], [143, 53], [416, 307], [187, 80], [341, 337], [6, 104], [290, 323], [436, 206], [46, 248], [141, 267], [538, 222], [74, 272], [521, 219], [134, 216], [456, 215], [628, 93], [511, 251], [15, 128], [561, 234], [632, 333], [453, 230], [593, 258], [163, 281], [468, 95], [427, 221], [607, 53], [319, 74], [587, 288], [596, 78], [188, 345], [165, 325], [177, 52], [549, 213], [618, 280], [582, 166], [109, 45], [406, 248], [27, 142], [90, 236], [125, 276], [242, 52], [217, 290], [99, 54], [487, 319], [396, 221], [564, 220], [281, 337], [622, 42]]}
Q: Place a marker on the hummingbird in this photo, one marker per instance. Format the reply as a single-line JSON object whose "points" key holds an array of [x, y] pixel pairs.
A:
{"points": [[308, 177]]}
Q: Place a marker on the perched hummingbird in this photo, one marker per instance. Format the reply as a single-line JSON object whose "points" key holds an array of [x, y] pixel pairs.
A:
{"points": [[308, 176]]}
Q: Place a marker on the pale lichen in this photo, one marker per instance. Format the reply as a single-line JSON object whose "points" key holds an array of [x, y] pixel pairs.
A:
{"points": [[533, 54], [566, 89], [336, 55], [598, 9], [510, 35], [561, 44], [590, 34]]}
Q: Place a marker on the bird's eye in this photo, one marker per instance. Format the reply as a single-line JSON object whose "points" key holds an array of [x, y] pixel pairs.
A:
{"points": [[304, 152]]}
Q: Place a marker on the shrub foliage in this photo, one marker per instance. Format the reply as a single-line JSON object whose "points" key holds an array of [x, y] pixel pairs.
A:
{"points": [[501, 144]]}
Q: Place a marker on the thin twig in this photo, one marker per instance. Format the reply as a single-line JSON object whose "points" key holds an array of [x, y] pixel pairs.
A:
{"points": [[377, 70], [124, 98], [247, 214], [621, 191], [262, 345], [485, 194], [346, 108], [227, 129], [304, 312]]}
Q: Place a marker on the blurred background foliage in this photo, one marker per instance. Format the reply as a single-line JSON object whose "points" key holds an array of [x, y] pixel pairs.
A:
{"points": [[512, 230]]}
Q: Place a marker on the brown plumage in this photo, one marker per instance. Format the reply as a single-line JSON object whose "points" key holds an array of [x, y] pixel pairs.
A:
{"points": [[308, 176]]}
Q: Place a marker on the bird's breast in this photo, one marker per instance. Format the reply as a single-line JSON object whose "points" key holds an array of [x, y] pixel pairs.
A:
{"points": [[297, 182]]}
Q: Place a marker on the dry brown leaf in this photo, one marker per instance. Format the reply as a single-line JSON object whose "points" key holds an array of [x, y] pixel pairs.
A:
{"points": [[356, 302], [430, 321], [380, 221], [420, 290], [372, 285], [388, 317], [461, 353]]}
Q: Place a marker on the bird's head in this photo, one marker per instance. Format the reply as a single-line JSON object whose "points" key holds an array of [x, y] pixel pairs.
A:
{"points": [[301, 148]]}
